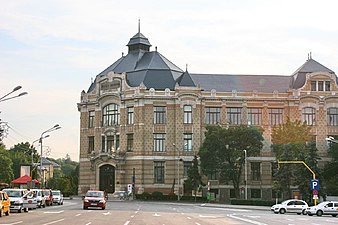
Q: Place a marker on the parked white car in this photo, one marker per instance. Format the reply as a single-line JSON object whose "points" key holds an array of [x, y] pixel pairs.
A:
{"points": [[40, 198], [30, 200], [17, 199], [57, 197], [324, 208], [290, 206]]}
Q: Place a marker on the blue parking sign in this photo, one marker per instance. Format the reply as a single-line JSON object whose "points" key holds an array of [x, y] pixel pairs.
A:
{"points": [[315, 185]]}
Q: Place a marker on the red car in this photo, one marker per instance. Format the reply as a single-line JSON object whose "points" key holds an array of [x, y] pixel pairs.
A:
{"points": [[94, 199]]}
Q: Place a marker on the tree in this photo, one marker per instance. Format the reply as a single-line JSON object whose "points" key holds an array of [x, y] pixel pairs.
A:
{"points": [[222, 152], [194, 177], [291, 142], [6, 171], [330, 174]]}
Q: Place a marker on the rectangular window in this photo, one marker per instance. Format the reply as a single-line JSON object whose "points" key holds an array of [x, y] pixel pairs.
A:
{"points": [[186, 167], [187, 142], [332, 116], [320, 85], [130, 140], [256, 171], [130, 115], [255, 116], [327, 86], [256, 193], [159, 142], [91, 119], [212, 115], [313, 86], [110, 144], [234, 115], [159, 172], [309, 116], [159, 115], [90, 144], [275, 116], [187, 111]]}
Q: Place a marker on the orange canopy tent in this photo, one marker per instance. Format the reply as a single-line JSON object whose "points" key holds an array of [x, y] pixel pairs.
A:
{"points": [[24, 179]]}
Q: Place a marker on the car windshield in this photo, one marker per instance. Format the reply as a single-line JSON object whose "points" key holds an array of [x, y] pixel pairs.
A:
{"points": [[94, 194], [56, 193], [13, 193], [285, 202]]}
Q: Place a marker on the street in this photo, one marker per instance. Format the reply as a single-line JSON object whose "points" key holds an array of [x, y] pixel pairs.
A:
{"points": [[157, 213]]}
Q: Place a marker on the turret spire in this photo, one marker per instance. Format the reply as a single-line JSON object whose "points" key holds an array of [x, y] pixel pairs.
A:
{"points": [[139, 25]]}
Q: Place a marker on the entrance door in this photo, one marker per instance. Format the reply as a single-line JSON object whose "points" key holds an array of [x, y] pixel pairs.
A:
{"points": [[107, 178]]}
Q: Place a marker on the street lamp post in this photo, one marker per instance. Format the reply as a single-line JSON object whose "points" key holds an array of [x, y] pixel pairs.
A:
{"points": [[178, 172], [3, 98], [245, 175], [56, 127]]}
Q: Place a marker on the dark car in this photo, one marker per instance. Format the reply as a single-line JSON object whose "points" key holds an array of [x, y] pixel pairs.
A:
{"points": [[94, 199]]}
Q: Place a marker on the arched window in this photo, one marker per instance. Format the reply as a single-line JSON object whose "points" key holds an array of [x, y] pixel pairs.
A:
{"points": [[309, 116], [111, 115]]}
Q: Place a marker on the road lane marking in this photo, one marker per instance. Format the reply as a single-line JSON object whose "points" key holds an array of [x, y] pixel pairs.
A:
{"points": [[126, 223], [11, 223], [107, 213], [78, 214], [132, 216], [197, 223], [156, 214], [55, 212], [56, 221], [189, 218], [246, 220], [89, 223]]}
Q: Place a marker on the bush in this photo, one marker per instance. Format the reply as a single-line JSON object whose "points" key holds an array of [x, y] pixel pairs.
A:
{"points": [[157, 195], [144, 196], [252, 202]]}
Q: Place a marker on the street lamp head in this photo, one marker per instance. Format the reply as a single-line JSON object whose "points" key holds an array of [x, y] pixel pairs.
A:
{"points": [[17, 88], [56, 125], [23, 93]]}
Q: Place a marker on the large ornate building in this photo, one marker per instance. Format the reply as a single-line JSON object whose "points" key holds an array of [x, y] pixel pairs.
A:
{"points": [[143, 119]]}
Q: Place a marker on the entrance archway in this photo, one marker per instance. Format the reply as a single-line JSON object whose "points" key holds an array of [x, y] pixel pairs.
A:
{"points": [[107, 178]]}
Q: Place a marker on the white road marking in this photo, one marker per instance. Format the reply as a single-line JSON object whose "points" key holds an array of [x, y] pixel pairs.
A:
{"points": [[210, 216], [78, 214], [156, 214], [89, 223], [188, 218], [107, 213], [246, 220], [126, 223], [54, 212], [11, 223], [132, 216], [56, 221], [197, 224]]}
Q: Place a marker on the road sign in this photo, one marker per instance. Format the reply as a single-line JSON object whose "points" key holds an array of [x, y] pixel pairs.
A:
{"points": [[315, 185], [315, 196], [315, 192]]}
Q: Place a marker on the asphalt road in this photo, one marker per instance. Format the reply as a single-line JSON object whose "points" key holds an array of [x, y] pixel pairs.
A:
{"points": [[157, 213]]}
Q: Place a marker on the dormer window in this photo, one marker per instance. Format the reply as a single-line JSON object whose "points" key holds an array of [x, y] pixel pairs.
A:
{"points": [[320, 85]]}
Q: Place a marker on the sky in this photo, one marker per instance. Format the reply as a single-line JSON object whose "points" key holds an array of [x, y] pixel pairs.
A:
{"points": [[54, 48]]}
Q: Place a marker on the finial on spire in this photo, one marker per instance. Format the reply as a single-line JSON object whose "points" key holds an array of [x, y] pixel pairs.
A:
{"points": [[310, 55], [186, 67], [139, 25]]}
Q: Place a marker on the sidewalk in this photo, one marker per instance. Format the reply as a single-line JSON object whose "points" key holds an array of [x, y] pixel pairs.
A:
{"points": [[244, 207]]}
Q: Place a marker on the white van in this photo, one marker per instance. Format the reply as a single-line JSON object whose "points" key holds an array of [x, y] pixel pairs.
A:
{"points": [[17, 199]]}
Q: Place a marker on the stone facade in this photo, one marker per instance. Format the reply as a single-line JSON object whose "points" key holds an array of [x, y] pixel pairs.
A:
{"points": [[138, 164]]}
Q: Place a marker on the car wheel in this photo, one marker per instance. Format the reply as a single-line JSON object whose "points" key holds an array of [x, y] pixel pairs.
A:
{"points": [[319, 213], [304, 212], [8, 212], [282, 211], [20, 210], [26, 209], [309, 214], [103, 208], [84, 207], [335, 215], [1, 212], [44, 205]]}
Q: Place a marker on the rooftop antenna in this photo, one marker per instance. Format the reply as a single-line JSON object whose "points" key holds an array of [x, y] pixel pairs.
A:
{"points": [[310, 55], [139, 25]]}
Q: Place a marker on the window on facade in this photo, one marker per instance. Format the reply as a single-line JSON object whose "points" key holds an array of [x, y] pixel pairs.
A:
{"points": [[130, 115], [90, 144], [108, 143], [234, 115], [130, 140], [187, 142], [212, 115], [159, 142], [91, 119], [232, 193], [320, 85], [159, 115], [256, 193], [256, 171], [332, 116], [111, 115], [159, 172], [186, 167], [309, 116], [187, 111], [275, 116], [255, 116]]}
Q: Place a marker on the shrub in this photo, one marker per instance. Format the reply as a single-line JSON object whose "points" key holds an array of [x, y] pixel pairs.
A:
{"points": [[157, 195]]}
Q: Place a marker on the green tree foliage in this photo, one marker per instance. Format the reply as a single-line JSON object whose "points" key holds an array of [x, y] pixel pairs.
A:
{"points": [[330, 171], [6, 164], [21, 154], [194, 177], [291, 143], [222, 151]]}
